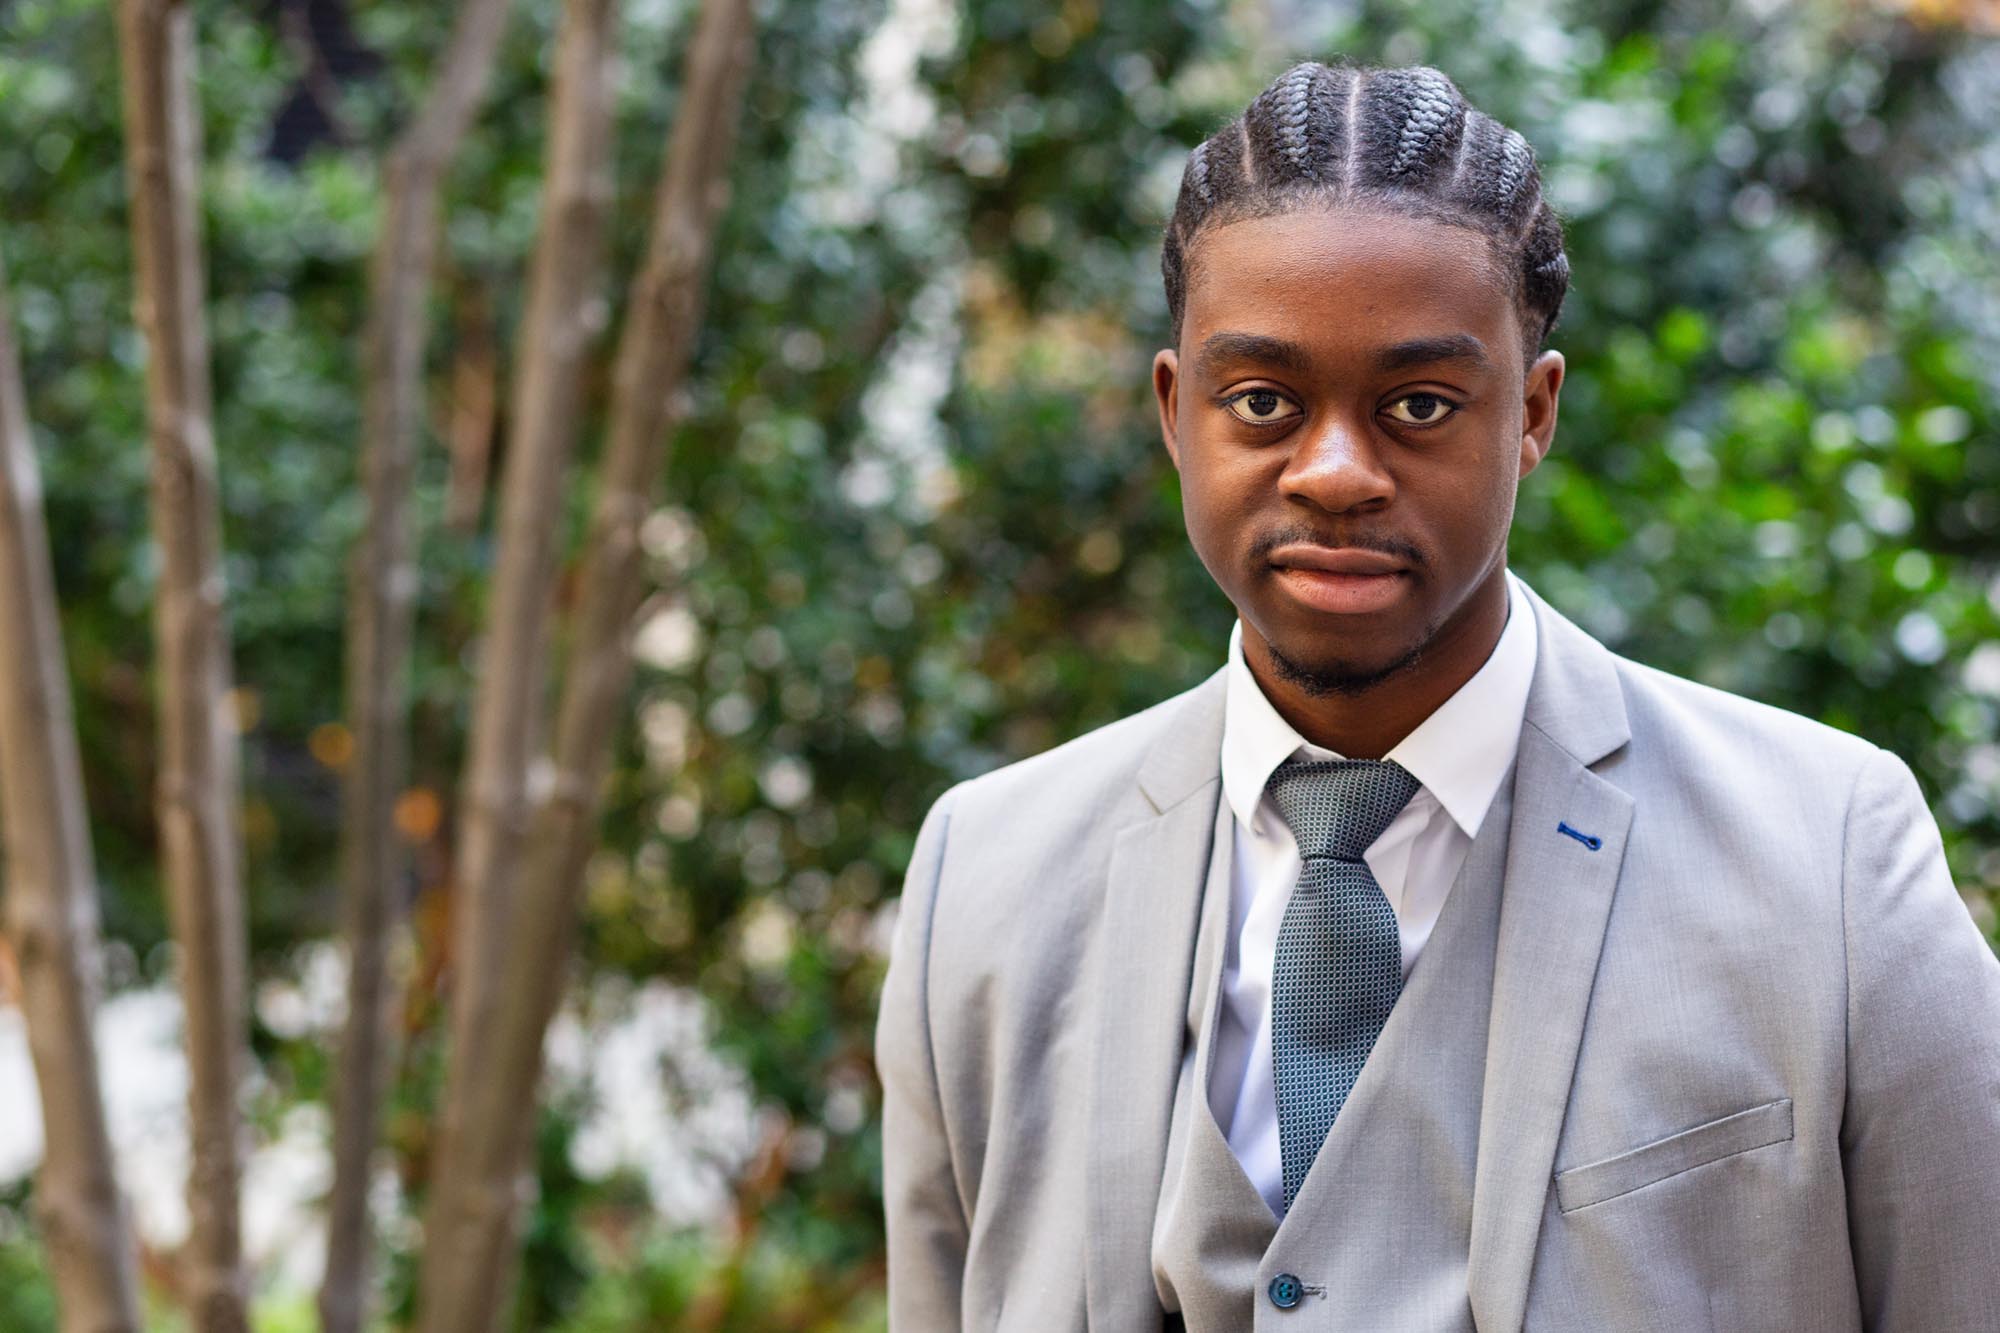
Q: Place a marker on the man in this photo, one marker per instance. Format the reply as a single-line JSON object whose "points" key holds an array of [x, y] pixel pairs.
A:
{"points": [[1429, 966]]}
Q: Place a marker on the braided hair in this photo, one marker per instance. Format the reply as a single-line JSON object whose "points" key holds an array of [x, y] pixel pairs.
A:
{"points": [[1403, 140]]}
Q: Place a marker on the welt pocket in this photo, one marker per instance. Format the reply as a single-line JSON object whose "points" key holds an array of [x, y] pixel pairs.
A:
{"points": [[1758, 1127]]}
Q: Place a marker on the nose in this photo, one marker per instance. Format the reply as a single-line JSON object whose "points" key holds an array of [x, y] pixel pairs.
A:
{"points": [[1336, 467]]}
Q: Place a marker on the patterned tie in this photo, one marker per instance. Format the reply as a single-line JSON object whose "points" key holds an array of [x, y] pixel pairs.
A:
{"points": [[1339, 967]]}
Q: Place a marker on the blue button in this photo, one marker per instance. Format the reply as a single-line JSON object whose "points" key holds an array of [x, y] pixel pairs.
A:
{"points": [[1286, 1290]]}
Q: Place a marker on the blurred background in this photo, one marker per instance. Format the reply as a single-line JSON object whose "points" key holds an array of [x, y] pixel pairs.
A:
{"points": [[918, 523]]}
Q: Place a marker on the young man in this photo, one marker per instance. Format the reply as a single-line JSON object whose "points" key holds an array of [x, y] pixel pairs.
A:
{"points": [[1429, 966]]}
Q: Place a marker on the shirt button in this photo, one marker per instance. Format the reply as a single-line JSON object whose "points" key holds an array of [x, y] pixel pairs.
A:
{"points": [[1285, 1291]]}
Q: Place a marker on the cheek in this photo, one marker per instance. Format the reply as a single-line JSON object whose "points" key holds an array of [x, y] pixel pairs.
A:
{"points": [[1485, 499], [1485, 484], [1217, 498]]}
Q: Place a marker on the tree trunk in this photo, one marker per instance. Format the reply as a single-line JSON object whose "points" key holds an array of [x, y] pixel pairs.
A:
{"points": [[199, 789], [472, 1189], [51, 900], [476, 1184], [474, 410], [382, 586]]}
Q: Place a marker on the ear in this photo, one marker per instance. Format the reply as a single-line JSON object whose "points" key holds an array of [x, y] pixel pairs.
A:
{"points": [[1538, 408], [1166, 380]]}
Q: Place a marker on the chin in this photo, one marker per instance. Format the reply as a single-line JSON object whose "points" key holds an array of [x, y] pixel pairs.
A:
{"points": [[1316, 674]]}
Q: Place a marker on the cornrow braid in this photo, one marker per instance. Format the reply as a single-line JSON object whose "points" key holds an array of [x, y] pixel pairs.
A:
{"points": [[1415, 118], [1197, 172], [1405, 139]]}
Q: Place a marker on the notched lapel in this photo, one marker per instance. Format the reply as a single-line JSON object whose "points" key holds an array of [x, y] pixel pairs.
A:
{"points": [[1145, 956], [1553, 911], [1552, 918]]}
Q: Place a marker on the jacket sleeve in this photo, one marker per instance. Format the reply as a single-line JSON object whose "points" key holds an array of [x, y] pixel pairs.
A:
{"points": [[925, 1215], [1920, 1140]]}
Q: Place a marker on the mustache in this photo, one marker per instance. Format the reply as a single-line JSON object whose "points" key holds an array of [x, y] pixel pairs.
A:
{"points": [[1381, 543]]}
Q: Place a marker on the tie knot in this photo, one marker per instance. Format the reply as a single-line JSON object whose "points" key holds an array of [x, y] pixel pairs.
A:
{"points": [[1337, 807]]}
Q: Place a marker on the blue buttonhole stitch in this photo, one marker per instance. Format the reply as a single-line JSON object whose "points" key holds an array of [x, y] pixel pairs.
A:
{"points": [[1590, 840]]}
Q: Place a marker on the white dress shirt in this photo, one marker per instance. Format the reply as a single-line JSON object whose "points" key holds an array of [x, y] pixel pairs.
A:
{"points": [[1460, 753]]}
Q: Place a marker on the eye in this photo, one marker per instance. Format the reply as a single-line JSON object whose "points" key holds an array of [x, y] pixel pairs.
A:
{"points": [[1260, 407], [1423, 409]]}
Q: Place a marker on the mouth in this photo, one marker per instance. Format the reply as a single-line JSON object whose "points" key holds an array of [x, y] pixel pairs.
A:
{"points": [[1342, 580]]}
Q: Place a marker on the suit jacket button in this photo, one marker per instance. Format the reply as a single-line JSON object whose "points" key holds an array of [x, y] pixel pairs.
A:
{"points": [[1285, 1290]]}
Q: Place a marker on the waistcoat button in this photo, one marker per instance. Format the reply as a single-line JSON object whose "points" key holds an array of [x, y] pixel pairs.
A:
{"points": [[1285, 1291]]}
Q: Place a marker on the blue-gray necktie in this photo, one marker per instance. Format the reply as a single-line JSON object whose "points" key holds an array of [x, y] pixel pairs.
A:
{"points": [[1339, 967]]}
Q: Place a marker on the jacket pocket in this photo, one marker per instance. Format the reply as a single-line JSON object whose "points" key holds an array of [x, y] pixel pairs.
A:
{"points": [[1758, 1127]]}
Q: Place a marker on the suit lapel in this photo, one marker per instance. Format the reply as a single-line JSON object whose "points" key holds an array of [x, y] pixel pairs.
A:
{"points": [[1145, 948], [1554, 908]]}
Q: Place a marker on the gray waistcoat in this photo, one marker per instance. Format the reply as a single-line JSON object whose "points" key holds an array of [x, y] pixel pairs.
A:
{"points": [[1381, 1228]]}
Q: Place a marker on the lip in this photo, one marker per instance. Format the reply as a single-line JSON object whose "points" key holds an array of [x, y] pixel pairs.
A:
{"points": [[1339, 580], [1335, 559]]}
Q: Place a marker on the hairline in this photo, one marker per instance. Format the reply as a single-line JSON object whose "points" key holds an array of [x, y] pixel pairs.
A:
{"points": [[1388, 205]]}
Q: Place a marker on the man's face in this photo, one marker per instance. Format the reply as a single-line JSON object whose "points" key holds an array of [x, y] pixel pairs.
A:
{"points": [[1350, 419]]}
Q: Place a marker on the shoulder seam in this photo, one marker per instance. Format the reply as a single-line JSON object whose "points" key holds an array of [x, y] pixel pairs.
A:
{"points": [[1846, 933], [924, 990]]}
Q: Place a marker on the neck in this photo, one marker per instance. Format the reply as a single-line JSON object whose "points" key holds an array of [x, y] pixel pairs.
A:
{"points": [[1369, 722]]}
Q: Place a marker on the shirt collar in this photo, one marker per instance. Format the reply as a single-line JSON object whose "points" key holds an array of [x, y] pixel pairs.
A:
{"points": [[1460, 753]]}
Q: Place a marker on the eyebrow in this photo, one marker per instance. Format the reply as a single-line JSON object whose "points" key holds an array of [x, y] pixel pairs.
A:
{"points": [[1228, 349], [1220, 350], [1423, 351]]}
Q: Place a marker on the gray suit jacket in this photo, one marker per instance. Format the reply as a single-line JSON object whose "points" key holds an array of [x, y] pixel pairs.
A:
{"points": [[1742, 1068]]}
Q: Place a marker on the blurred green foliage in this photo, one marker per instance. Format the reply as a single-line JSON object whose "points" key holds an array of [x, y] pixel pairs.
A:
{"points": [[918, 521]]}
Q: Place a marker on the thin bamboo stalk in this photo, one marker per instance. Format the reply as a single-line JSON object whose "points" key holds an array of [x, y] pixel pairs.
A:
{"points": [[51, 900], [199, 783], [472, 1194], [478, 1184], [382, 586]]}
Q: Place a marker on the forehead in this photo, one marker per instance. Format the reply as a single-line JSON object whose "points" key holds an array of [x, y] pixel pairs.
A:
{"points": [[1344, 281]]}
